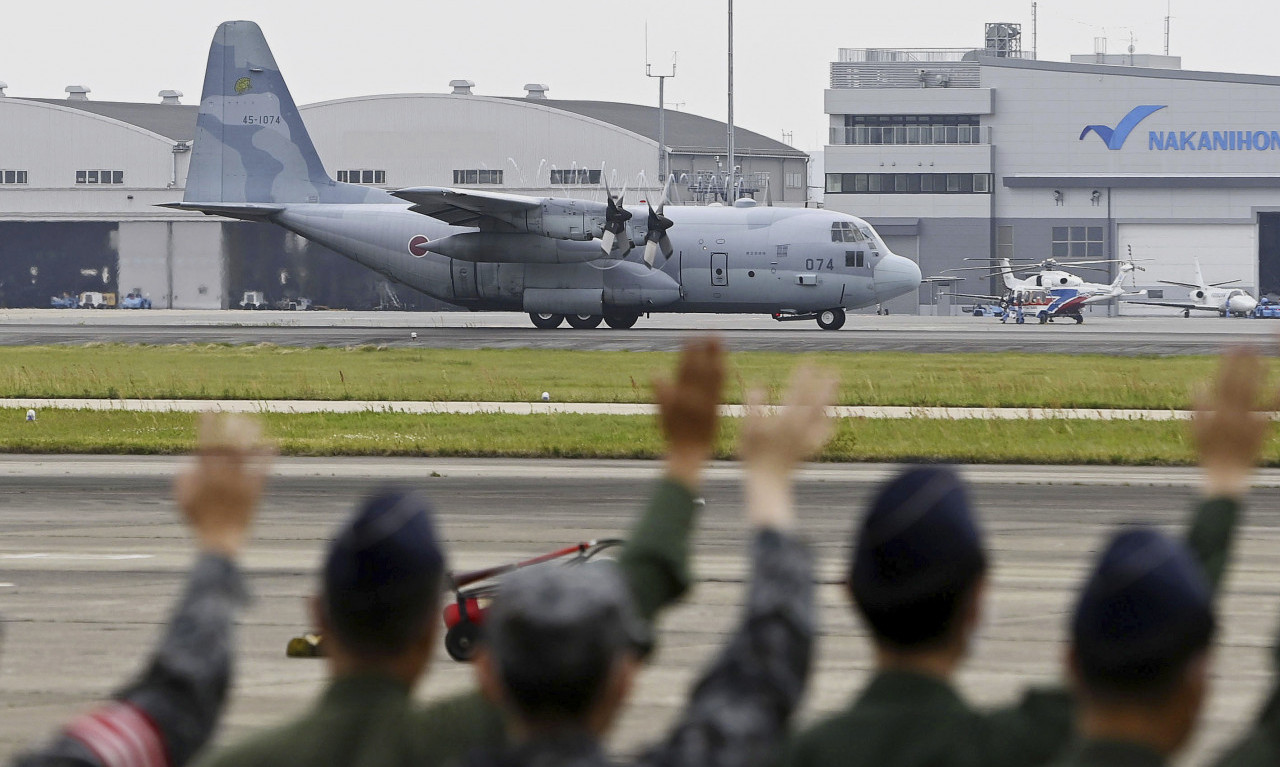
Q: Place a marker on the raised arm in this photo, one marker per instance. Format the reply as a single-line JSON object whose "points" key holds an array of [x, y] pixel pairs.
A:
{"points": [[163, 717], [737, 715], [1229, 430]]}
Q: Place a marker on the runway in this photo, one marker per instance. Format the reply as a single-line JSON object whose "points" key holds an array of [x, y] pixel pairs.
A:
{"points": [[1126, 336], [91, 556]]}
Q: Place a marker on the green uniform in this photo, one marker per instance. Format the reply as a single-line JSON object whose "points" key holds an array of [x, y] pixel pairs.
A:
{"points": [[371, 721], [1109, 753], [904, 719]]}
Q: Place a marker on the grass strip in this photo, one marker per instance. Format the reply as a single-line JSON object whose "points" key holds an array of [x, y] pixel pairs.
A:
{"points": [[521, 375], [580, 436]]}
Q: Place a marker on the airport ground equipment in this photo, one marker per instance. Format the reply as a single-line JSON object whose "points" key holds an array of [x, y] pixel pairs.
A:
{"points": [[135, 300], [474, 591]]}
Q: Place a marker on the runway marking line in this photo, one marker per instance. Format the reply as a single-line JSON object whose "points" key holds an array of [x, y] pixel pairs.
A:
{"points": [[77, 557]]}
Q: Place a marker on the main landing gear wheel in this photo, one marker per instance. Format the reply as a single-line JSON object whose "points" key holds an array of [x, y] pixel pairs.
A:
{"points": [[1043, 318], [546, 321], [621, 321], [831, 319], [1079, 319], [461, 640], [584, 321]]}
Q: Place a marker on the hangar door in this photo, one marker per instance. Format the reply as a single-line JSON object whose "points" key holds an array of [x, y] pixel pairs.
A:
{"points": [[1225, 251]]}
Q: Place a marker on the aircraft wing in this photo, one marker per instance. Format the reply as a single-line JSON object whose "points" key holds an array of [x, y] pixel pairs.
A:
{"points": [[466, 207], [1172, 305]]}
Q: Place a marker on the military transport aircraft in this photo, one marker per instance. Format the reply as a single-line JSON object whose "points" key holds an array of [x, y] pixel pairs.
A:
{"points": [[552, 258], [1209, 297]]}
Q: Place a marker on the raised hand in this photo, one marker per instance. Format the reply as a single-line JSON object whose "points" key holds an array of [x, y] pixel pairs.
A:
{"points": [[688, 409], [772, 444], [219, 493]]}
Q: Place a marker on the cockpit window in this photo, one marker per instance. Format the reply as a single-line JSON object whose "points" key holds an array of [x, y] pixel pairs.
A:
{"points": [[846, 231], [866, 233]]}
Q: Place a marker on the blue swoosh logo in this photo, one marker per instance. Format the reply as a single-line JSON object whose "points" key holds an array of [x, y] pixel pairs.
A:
{"points": [[1114, 137]]}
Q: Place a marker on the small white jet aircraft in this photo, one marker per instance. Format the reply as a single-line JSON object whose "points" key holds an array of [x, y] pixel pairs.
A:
{"points": [[1051, 292], [1209, 297]]}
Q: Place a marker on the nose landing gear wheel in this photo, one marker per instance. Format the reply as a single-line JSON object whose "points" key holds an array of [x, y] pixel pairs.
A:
{"points": [[546, 321], [831, 319], [621, 321], [584, 321]]}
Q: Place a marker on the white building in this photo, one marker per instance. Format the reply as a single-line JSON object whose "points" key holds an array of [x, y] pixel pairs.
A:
{"points": [[966, 153]]}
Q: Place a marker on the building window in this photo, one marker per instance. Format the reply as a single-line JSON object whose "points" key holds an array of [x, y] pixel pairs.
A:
{"points": [[13, 177], [362, 176], [99, 177], [475, 177], [794, 180], [909, 183], [1004, 242], [909, 129], [575, 176], [1077, 242]]}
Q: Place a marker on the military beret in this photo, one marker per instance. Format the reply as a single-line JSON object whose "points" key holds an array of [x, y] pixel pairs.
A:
{"points": [[1145, 610], [918, 538]]}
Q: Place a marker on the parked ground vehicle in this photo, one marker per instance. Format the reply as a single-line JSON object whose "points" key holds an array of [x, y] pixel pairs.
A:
{"points": [[91, 299], [64, 301], [254, 299], [1266, 309]]}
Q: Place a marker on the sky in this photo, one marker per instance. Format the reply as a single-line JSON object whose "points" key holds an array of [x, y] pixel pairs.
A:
{"points": [[129, 50]]}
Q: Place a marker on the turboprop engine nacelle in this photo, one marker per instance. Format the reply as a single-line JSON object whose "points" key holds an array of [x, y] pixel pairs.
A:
{"points": [[557, 219], [518, 248]]}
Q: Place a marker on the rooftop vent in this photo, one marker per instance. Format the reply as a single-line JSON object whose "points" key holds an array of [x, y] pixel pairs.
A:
{"points": [[461, 87], [170, 97], [536, 91], [3, 85], [77, 93]]}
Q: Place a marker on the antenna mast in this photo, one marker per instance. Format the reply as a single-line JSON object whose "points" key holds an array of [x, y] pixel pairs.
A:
{"points": [[662, 105], [731, 187]]}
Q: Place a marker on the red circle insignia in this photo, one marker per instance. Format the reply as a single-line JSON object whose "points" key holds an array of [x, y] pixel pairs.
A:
{"points": [[418, 245]]}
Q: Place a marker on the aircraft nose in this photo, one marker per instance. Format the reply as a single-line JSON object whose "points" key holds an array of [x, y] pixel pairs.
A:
{"points": [[894, 276], [1243, 304]]}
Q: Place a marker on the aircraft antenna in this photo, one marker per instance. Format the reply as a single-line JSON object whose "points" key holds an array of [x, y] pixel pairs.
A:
{"points": [[662, 104]]}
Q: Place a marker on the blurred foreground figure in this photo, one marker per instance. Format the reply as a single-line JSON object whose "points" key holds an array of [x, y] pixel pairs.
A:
{"points": [[560, 648], [918, 579], [166, 715], [380, 596]]}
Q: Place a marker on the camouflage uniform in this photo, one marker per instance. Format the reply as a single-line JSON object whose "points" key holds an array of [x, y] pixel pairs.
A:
{"points": [[738, 712], [371, 721], [903, 719], [169, 712]]}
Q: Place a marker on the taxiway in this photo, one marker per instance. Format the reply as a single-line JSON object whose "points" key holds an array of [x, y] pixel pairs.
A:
{"points": [[92, 555]]}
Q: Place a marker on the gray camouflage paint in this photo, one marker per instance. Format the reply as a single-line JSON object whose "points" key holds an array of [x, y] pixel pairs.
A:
{"points": [[254, 159]]}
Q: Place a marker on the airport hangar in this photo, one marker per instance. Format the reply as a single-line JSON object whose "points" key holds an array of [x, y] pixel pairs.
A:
{"points": [[80, 181], [977, 153]]}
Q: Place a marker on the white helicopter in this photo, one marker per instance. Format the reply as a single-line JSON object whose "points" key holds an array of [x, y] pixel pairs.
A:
{"points": [[1048, 291]]}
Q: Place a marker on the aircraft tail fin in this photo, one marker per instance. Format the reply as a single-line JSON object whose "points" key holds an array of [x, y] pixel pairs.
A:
{"points": [[251, 145], [1200, 276], [1006, 274]]}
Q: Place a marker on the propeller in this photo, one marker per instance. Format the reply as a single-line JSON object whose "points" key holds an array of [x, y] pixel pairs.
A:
{"points": [[655, 236], [615, 224]]}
